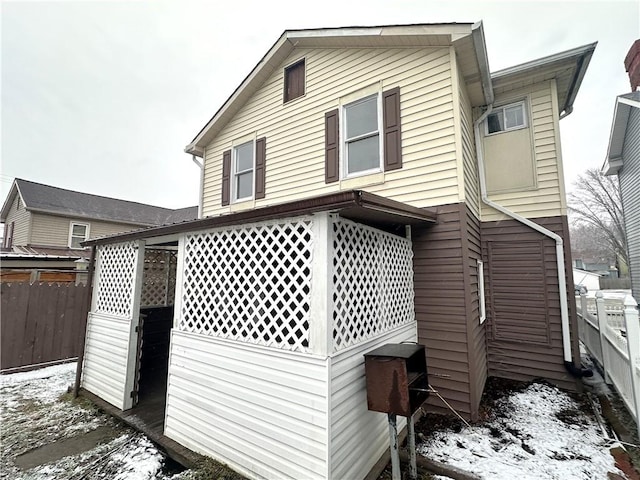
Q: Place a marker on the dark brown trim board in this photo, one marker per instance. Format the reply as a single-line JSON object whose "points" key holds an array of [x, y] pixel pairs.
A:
{"points": [[447, 309], [524, 333]]}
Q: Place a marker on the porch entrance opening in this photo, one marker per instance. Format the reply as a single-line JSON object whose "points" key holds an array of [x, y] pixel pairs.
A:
{"points": [[154, 332]]}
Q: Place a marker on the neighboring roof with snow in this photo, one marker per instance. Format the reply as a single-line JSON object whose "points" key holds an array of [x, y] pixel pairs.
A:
{"points": [[38, 197]]}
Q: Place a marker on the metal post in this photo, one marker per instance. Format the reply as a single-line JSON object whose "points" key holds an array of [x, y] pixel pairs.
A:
{"points": [[393, 446], [413, 469]]}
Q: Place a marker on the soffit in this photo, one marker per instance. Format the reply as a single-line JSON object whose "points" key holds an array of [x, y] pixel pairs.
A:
{"points": [[567, 68]]}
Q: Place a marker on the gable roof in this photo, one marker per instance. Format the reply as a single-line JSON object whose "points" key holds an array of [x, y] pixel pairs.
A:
{"points": [[38, 197], [567, 68], [624, 103], [467, 38]]}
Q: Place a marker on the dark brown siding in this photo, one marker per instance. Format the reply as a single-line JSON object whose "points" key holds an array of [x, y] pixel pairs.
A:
{"points": [[446, 302], [524, 334]]}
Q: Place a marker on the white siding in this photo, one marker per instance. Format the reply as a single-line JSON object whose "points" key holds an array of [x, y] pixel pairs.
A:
{"points": [[257, 409], [358, 437], [630, 189], [295, 131], [547, 198], [22, 222], [104, 370]]}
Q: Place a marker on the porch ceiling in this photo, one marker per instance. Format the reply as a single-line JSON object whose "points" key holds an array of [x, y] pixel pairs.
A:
{"points": [[356, 205]]}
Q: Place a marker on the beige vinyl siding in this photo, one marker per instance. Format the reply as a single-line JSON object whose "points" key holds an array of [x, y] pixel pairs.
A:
{"points": [[52, 230], [295, 131], [547, 198], [22, 222], [471, 191]]}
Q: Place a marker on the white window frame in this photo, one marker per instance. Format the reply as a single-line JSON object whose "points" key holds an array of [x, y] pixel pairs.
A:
{"points": [[502, 108], [345, 103], [235, 173], [481, 299], [71, 236]]}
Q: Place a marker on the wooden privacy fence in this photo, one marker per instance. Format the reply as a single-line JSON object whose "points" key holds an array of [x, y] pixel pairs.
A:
{"points": [[41, 322], [611, 334]]}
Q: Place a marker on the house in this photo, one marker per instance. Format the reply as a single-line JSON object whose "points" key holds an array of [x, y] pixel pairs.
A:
{"points": [[623, 160], [362, 186], [44, 226]]}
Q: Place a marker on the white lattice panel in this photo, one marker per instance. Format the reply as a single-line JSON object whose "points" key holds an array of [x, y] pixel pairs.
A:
{"points": [[250, 283], [159, 281], [372, 283], [115, 279]]}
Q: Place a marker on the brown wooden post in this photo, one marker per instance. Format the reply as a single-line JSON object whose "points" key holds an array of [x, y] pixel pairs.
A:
{"points": [[85, 316]]}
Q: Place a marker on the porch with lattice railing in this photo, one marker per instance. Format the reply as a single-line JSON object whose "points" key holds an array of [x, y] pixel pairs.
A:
{"points": [[259, 283]]}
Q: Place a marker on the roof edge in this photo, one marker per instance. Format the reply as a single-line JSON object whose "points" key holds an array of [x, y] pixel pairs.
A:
{"points": [[624, 103], [333, 201]]}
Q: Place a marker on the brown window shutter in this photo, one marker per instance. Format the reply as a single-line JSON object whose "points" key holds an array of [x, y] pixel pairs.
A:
{"points": [[261, 155], [331, 147], [392, 134], [226, 177]]}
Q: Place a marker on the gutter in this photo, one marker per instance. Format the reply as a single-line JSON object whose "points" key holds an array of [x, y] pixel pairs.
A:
{"points": [[560, 259], [201, 193]]}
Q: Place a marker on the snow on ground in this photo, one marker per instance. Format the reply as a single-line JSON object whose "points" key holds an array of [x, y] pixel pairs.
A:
{"points": [[540, 433], [34, 412]]}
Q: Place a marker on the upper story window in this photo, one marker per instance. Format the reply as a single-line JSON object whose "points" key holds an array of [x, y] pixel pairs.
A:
{"points": [[243, 167], [294, 81], [78, 232], [362, 136], [509, 117], [243, 171]]}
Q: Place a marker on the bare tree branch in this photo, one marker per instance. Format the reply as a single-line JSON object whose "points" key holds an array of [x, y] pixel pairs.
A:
{"points": [[596, 207]]}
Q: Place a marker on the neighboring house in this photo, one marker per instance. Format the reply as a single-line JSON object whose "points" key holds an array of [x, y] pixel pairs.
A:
{"points": [[623, 159], [362, 186], [44, 225]]}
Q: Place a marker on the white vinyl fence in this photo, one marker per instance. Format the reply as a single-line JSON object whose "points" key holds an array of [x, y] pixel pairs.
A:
{"points": [[610, 330]]}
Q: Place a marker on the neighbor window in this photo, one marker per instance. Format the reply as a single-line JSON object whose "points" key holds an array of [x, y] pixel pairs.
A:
{"points": [[78, 232], [362, 136], [294, 81], [243, 167], [509, 117]]}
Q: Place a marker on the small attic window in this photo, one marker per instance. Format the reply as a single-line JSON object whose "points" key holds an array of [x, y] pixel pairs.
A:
{"points": [[294, 81], [504, 119]]}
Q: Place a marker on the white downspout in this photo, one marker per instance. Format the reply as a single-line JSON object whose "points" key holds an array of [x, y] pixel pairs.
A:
{"points": [[201, 192], [562, 280]]}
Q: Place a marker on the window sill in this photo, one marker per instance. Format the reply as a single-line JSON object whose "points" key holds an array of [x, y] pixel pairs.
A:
{"points": [[242, 205], [362, 181]]}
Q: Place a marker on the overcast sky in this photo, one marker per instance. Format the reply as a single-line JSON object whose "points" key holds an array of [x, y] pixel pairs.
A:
{"points": [[103, 96]]}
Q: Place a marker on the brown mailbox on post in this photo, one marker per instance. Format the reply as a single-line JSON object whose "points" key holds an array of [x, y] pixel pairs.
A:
{"points": [[396, 378]]}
